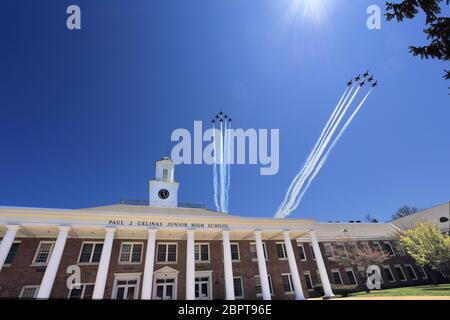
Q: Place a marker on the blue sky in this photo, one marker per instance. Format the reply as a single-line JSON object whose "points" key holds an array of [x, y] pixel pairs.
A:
{"points": [[84, 114]]}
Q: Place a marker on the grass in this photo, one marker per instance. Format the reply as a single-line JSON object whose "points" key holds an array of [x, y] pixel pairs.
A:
{"points": [[428, 290]]}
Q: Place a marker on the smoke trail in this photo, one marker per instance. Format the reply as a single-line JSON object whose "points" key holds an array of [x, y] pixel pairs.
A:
{"points": [[221, 173], [324, 159], [227, 165], [310, 166], [313, 151], [216, 200]]}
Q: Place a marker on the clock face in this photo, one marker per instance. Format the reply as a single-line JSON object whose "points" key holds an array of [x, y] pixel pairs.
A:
{"points": [[163, 194]]}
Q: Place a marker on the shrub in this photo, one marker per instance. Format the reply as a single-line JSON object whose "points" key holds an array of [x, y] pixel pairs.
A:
{"points": [[338, 289]]}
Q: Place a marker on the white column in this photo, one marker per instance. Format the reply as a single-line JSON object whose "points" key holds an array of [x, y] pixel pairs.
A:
{"points": [[263, 277], [328, 293], [190, 265], [228, 266], [103, 266], [53, 264], [293, 267], [7, 241], [147, 282]]}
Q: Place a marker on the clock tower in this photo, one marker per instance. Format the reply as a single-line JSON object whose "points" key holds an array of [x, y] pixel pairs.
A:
{"points": [[163, 189]]}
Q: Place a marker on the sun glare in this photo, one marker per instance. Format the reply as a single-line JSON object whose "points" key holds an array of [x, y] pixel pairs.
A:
{"points": [[313, 11]]}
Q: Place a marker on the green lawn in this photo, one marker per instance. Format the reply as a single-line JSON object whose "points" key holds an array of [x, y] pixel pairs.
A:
{"points": [[428, 290]]}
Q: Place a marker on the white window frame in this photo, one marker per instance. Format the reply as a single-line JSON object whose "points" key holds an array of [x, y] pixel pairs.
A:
{"points": [[291, 283], [308, 274], [238, 251], [311, 250], [378, 244], [423, 270], [388, 267], [127, 277], [354, 275], [319, 279], [283, 246], [413, 271], [256, 250], [167, 253], [270, 285], [325, 245], [29, 287], [9, 264], [199, 244], [205, 274], [34, 263], [401, 269], [84, 285], [339, 273], [92, 253], [366, 245], [390, 246], [132, 243], [242, 287], [303, 250], [344, 248]]}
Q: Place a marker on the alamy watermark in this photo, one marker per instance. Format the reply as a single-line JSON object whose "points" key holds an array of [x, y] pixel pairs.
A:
{"points": [[249, 146]]}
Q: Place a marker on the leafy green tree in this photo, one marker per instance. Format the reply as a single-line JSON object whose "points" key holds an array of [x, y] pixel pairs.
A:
{"points": [[428, 246], [437, 27], [404, 211]]}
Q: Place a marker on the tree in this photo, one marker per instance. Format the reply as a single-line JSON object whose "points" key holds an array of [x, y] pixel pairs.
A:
{"points": [[404, 211], [368, 218], [437, 27], [348, 253], [428, 246]]}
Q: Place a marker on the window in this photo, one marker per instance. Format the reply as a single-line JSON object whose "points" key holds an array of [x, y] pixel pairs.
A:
{"points": [[336, 276], [411, 272], [341, 249], [388, 248], [281, 251], [328, 250], [84, 291], [308, 280], [363, 274], [351, 276], [365, 247], [288, 286], [235, 256], [12, 253], [377, 246], [312, 251], [203, 290], [253, 253], [301, 252], [43, 252], [319, 279], [421, 271], [130, 252], [201, 252], [388, 273], [399, 272], [126, 286], [238, 287], [28, 292], [258, 287], [167, 252], [165, 174], [91, 252]]}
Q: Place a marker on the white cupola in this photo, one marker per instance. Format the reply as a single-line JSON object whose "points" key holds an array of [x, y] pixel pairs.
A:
{"points": [[163, 189]]}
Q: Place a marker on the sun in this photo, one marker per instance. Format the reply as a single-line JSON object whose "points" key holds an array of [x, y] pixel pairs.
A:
{"points": [[312, 11]]}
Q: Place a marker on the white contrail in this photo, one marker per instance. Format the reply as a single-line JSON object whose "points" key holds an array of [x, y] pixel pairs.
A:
{"points": [[313, 151], [324, 159], [216, 200], [310, 166], [227, 188], [221, 173]]}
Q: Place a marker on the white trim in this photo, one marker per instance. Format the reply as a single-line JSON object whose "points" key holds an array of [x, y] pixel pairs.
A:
{"points": [[265, 250], [167, 253], [423, 270], [163, 274], [132, 243], [92, 253], [242, 287], [270, 285], [339, 273], [36, 287], [199, 244], [238, 250], [308, 273], [283, 245], [401, 269], [82, 290], [413, 271], [354, 275], [291, 284], [127, 277], [366, 245], [325, 245], [377, 244], [15, 241], [388, 267], [40, 264], [311, 250], [299, 244], [205, 274], [392, 248]]}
